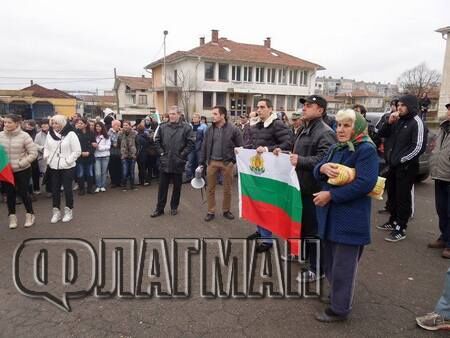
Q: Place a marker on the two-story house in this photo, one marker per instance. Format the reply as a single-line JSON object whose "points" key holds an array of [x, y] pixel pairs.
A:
{"points": [[232, 74], [135, 96]]}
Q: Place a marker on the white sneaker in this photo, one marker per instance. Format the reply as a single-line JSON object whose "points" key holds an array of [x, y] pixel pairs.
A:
{"points": [[97, 190], [29, 220], [12, 221], [75, 187], [102, 189], [56, 216], [68, 215]]}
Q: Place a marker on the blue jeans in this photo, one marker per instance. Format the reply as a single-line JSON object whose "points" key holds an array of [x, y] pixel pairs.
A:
{"points": [[101, 168], [192, 164], [443, 304], [264, 233], [85, 170], [128, 171]]}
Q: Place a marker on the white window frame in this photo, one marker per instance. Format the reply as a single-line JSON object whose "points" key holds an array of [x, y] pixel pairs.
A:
{"points": [[271, 75], [259, 74], [247, 75], [234, 73]]}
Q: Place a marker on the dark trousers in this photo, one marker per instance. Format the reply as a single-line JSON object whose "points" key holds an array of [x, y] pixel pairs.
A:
{"points": [[62, 177], [35, 175], [399, 184], [341, 265], [142, 170], [152, 164], [22, 180], [442, 199], [164, 181], [309, 230], [115, 169]]}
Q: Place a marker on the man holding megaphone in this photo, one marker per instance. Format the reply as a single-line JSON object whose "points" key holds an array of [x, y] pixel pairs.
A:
{"points": [[218, 154]]}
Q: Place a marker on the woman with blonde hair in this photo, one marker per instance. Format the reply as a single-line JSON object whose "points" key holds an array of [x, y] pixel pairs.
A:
{"points": [[61, 152], [343, 212]]}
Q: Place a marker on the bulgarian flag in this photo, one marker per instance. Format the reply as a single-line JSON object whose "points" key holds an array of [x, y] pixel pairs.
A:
{"points": [[269, 194], [6, 173]]}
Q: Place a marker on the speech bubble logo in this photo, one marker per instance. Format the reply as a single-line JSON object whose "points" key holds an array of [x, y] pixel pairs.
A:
{"points": [[55, 269]]}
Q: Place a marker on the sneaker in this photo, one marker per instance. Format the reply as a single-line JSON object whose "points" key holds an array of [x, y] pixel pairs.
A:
{"points": [[97, 190], [433, 322], [396, 236], [228, 215], [68, 215], [12, 221], [29, 220], [209, 217], [328, 316], [386, 226], [56, 216], [75, 187], [102, 189], [309, 276]]}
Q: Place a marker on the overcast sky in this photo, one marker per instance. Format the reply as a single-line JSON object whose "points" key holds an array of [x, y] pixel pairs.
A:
{"points": [[58, 42]]}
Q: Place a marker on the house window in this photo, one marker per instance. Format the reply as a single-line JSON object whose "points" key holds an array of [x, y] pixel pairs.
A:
{"points": [[280, 102], [209, 70], [303, 78], [282, 76], [293, 77], [248, 74], [207, 100], [175, 78], [290, 102], [143, 99], [271, 75], [259, 76], [236, 73], [223, 72], [221, 99], [133, 99]]}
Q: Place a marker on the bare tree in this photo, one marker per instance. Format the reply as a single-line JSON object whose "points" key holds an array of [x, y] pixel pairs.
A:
{"points": [[184, 88], [418, 79]]}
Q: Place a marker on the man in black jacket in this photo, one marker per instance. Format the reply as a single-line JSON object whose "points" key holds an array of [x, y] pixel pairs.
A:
{"points": [[268, 134], [407, 136], [310, 147], [218, 154], [174, 141]]}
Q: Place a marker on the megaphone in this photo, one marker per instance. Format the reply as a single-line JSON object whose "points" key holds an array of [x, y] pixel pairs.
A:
{"points": [[198, 182]]}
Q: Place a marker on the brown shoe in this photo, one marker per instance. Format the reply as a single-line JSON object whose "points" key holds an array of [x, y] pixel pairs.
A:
{"points": [[446, 253], [437, 244]]}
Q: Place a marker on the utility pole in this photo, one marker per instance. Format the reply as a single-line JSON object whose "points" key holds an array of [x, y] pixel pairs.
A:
{"points": [[117, 93], [165, 74]]}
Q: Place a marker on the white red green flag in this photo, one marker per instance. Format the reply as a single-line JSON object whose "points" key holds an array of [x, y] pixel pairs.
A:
{"points": [[269, 193]]}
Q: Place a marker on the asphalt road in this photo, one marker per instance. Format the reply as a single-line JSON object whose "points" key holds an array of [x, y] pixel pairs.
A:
{"points": [[396, 282]]}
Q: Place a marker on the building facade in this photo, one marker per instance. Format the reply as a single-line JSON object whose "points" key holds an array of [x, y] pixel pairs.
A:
{"points": [[232, 74], [136, 96], [444, 96], [37, 102]]}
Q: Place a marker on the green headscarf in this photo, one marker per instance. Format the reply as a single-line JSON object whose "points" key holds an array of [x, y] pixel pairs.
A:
{"points": [[360, 134]]}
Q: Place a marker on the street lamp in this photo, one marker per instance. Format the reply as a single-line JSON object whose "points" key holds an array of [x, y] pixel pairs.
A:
{"points": [[165, 75]]}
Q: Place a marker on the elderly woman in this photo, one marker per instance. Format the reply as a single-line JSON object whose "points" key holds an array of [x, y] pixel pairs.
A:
{"points": [[343, 212], [61, 152], [115, 164]]}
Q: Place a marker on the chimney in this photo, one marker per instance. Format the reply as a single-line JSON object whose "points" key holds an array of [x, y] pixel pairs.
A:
{"points": [[202, 41], [267, 43], [31, 82], [215, 36]]}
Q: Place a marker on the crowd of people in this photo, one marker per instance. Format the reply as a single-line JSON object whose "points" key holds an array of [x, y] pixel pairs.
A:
{"points": [[62, 153]]}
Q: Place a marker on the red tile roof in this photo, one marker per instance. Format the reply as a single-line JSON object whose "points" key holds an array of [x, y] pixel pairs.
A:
{"points": [[137, 82], [229, 50], [42, 92]]}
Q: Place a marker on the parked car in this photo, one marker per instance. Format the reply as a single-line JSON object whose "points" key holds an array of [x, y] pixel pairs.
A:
{"points": [[424, 159]]}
